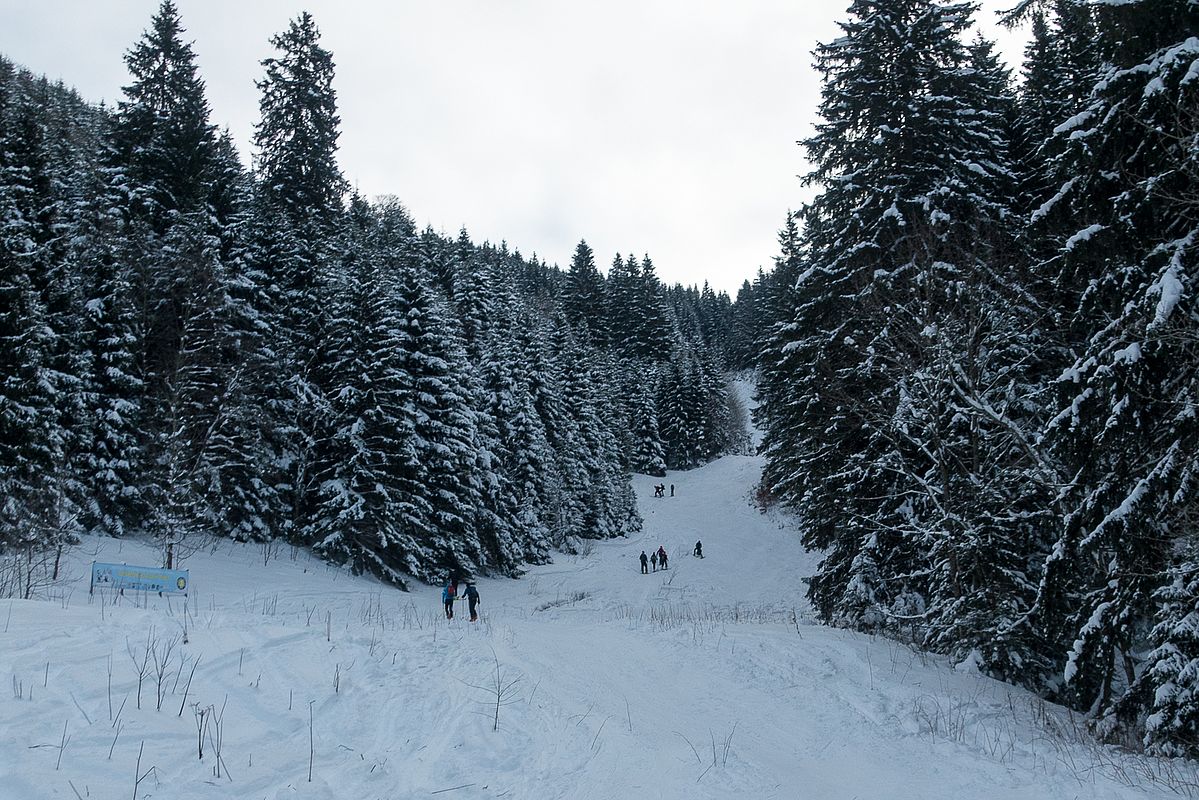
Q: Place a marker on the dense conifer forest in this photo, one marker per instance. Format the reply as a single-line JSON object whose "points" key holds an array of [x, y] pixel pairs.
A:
{"points": [[979, 350], [192, 348]]}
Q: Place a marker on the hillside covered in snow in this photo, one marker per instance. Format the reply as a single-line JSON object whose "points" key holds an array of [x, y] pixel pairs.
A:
{"points": [[584, 679]]}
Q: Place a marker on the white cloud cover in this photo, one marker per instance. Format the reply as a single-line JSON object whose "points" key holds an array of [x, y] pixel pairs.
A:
{"points": [[645, 126]]}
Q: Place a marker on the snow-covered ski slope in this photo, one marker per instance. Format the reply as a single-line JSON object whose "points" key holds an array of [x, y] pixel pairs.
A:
{"points": [[706, 681]]}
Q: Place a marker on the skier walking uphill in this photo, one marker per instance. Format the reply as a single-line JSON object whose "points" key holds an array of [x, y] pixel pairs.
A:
{"points": [[662, 556], [653, 559], [472, 599], [448, 595], [644, 563]]}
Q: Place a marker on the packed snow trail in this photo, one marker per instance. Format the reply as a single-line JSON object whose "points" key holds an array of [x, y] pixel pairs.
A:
{"points": [[708, 680]]}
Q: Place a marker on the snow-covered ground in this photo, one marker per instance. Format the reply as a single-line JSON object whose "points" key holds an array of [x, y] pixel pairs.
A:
{"points": [[705, 681]]}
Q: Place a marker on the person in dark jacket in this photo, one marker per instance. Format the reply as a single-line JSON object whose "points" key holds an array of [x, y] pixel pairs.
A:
{"points": [[653, 560], [662, 556], [699, 550], [472, 600], [644, 563], [448, 595]]}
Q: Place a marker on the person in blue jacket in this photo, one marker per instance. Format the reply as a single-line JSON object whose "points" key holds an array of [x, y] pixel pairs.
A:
{"points": [[448, 595]]}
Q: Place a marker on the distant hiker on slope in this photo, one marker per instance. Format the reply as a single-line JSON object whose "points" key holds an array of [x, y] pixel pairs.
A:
{"points": [[653, 559], [662, 556], [672, 490], [472, 599], [644, 563], [448, 595], [699, 550], [659, 490]]}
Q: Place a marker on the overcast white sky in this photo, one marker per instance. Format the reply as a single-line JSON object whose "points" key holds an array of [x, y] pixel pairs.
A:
{"points": [[659, 126]]}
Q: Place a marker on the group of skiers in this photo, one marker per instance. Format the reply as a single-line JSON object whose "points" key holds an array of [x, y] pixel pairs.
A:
{"points": [[450, 593], [658, 560], [660, 490]]}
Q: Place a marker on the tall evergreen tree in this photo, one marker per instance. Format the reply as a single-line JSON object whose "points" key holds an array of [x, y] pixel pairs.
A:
{"points": [[298, 130], [372, 512], [584, 301], [890, 369], [1125, 430], [163, 138], [112, 457], [297, 219], [27, 419]]}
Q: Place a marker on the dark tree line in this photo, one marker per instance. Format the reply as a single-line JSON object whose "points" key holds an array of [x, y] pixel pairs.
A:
{"points": [[189, 347], [979, 350]]}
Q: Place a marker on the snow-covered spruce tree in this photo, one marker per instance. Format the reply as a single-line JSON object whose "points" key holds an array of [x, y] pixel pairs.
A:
{"points": [[372, 511], [725, 428], [654, 334], [1126, 433], [498, 523], [43, 148], [1163, 703], [445, 435], [745, 321], [599, 497], [624, 518], [543, 379], [584, 295], [299, 126], [647, 455], [695, 423], [524, 460], [162, 135], [620, 305], [473, 295], [495, 522], [163, 146], [239, 498], [299, 209], [637, 318], [187, 211], [682, 410], [892, 371], [58, 178], [438, 259], [715, 321], [27, 418], [111, 458], [200, 423], [973, 406], [815, 367], [1060, 69], [775, 356]]}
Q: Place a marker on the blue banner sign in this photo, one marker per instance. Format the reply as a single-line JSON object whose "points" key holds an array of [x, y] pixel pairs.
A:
{"points": [[141, 579]]}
